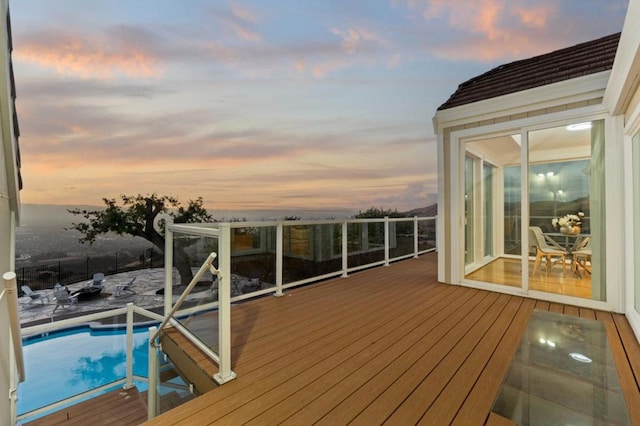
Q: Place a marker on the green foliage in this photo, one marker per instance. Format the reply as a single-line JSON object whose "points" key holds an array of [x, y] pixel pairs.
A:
{"points": [[140, 215], [377, 212]]}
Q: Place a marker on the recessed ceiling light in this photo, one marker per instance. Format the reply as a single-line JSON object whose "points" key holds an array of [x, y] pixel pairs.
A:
{"points": [[579, 357], [579, 126]]}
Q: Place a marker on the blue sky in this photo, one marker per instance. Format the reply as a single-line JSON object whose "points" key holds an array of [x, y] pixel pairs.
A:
{"points": [[261, 104]]}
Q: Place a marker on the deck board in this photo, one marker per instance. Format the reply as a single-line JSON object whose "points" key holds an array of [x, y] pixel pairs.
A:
{"points": [[386, 343], [628, 381], [118, 407]]}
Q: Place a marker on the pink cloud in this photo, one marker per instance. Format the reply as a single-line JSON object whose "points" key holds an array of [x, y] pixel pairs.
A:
{"points": [[535, 17], [244, 13], [88, 57], [240, 19], [321, 70], [355, 38], [488, 29]]}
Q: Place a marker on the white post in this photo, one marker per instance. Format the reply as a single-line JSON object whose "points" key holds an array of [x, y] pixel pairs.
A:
{"points": [[129, 351], [152, 391], [12, 350], [415, 236], [11, 288], [386, 241], [279, 256], [345, 248], [224, 307], [168, 270]]}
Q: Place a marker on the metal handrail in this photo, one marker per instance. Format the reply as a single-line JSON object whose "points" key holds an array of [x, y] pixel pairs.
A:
{"points": [[11, 289], [208, 264]]}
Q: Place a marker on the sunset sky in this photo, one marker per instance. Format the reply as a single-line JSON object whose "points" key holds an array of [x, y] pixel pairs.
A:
{"points": [[261, 104]]}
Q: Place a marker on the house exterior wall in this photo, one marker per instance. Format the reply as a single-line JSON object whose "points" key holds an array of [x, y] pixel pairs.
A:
{"points": [[9, 213], [622, 99]]}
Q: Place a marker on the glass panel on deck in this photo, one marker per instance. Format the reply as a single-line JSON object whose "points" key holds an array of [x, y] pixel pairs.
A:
{"points": [[562, 374]]}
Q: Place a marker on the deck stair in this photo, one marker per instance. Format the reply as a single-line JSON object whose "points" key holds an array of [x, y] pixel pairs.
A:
{"points": [[190, 362]]}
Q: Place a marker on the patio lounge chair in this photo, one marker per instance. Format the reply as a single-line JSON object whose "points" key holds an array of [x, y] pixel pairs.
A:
{"points": [[121, 289], [548, 249], [98, 279], [34, 295], [63, 298]]}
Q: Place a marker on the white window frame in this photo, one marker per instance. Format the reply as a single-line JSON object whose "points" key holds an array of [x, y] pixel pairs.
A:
{"points": [[632, 129]]}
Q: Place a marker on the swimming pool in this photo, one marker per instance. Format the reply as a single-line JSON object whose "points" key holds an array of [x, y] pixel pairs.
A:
{"points": [[66, 363]]}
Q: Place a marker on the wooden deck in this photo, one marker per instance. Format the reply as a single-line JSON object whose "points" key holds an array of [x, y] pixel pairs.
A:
{"points": [[119, 407], [386, 345]]}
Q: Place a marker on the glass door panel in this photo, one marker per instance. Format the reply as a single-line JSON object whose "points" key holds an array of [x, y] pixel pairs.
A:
{"points": [[563, 178], [485, 226], [469, 186], [488, 201]]}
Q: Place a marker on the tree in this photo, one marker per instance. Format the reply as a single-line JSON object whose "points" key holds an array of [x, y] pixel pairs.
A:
{"points": [[374, 212], [143, 216]]}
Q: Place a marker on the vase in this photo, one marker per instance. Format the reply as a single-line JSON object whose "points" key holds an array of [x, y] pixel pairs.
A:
{"points": [[570, 230]]}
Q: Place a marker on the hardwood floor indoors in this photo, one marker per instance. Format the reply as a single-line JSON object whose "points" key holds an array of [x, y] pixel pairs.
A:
{"points": [[507, 271]]}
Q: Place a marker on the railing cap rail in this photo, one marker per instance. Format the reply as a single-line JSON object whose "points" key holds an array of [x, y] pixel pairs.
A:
{"points": [[189, 227]]}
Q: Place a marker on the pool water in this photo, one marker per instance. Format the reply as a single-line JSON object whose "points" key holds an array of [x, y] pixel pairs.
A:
{"points": [[67, 363]]}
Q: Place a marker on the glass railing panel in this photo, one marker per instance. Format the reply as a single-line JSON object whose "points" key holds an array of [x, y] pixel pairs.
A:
{"points": [[189, 253], [426, 234], [310, 251], [401, 238], [365, 243], [253, 261]]}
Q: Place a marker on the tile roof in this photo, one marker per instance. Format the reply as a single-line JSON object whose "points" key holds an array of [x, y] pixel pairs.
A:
{"points": [[564, 64]]}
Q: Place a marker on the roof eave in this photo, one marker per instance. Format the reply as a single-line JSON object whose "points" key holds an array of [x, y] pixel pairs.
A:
{"points": [[569, 91]]}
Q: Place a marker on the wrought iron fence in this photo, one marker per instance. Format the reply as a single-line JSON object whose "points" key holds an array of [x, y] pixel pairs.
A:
{"points": [[46, 274]]}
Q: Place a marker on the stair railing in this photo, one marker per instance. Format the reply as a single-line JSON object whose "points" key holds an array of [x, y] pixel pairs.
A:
{"points": [[207, 265]]}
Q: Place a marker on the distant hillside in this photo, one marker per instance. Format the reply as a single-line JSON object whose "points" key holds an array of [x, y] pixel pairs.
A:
{"points": [[428, 211]]}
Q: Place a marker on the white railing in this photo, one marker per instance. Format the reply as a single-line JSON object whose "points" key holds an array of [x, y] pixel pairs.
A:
{"points": [[222, 234], [320, 249], [337, 230]]}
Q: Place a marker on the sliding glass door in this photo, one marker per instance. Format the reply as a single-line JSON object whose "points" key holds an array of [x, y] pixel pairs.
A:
{"points": [[556, 231]]}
